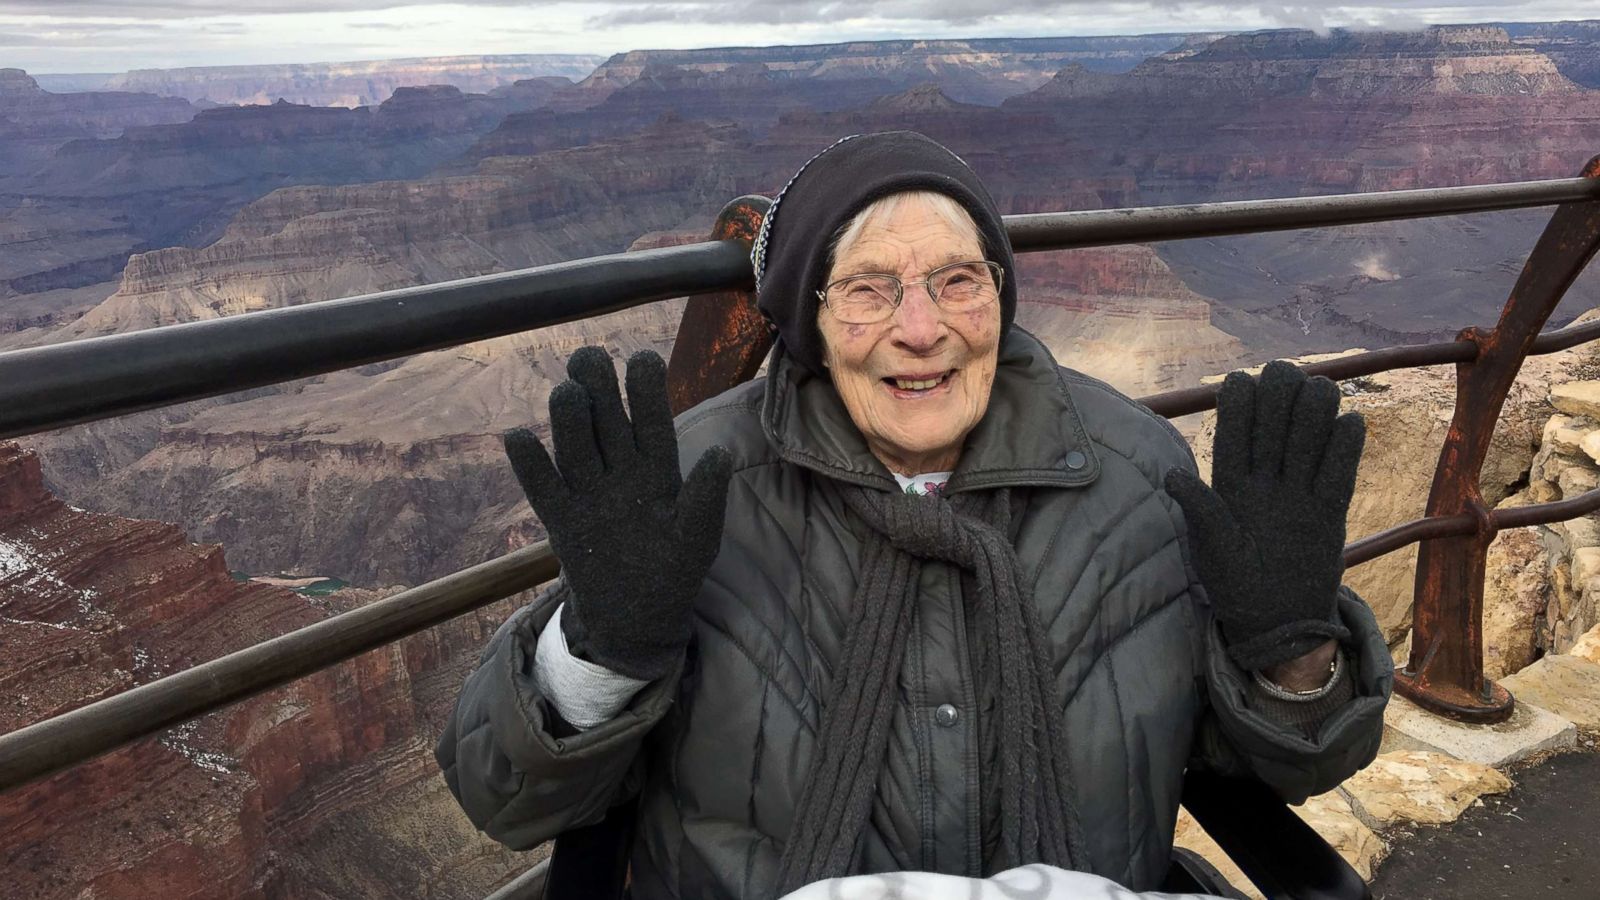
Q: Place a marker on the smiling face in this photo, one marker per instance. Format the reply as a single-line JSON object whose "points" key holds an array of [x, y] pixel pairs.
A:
{"points": [[918, 382]]}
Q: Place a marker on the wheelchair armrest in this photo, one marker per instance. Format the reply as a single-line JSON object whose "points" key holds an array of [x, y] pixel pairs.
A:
{"points": [[1275, 848]]}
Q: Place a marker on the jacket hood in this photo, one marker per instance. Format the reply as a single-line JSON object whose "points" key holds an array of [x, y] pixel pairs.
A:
{"points": [[1030, 434]]}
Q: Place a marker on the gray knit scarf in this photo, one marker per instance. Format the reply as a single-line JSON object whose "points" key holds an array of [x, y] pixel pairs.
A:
{"points": [[1038, 822]]}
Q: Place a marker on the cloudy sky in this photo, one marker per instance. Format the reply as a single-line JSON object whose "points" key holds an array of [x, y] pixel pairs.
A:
{"points": [[115, 35]]}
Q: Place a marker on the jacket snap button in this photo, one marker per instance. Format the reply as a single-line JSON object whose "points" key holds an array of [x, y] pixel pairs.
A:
{"points": [[1075, 460], [946, 715]]}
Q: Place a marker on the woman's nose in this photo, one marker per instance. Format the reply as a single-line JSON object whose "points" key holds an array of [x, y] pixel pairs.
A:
{"points": [[919, 322]]}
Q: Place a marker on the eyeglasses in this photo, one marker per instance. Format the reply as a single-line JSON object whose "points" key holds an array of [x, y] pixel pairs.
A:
{"points": [[871, 298]]}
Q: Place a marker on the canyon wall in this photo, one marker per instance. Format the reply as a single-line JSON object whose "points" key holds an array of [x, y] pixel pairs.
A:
{"points": [[404, 460], [74, 220], [325, 788], [34, 121], [350, 84], [1294, 113], [1120, 314], [1573, 46]]}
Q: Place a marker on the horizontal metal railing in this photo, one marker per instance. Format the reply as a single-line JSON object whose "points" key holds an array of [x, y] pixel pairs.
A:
{"points": [[1185, 401], [1102, 227], [95, 378], [64, 384], [88, 731]]}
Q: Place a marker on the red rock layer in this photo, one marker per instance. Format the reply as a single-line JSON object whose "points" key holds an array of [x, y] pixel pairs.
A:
{"points": [[324, 788]]}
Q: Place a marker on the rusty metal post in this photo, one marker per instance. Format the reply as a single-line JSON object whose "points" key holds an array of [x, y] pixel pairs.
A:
{"points": [[722, 337], [1445, 672]]}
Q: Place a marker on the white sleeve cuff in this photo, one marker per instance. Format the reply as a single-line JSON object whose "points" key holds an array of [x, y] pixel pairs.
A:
{"points": [[585, 694]]}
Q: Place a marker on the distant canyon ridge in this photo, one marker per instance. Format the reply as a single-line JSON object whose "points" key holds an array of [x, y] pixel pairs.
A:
{"points": [[351, 84]]}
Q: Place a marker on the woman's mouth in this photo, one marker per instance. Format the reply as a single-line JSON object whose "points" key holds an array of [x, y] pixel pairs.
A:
{"points": [[921, 384]]}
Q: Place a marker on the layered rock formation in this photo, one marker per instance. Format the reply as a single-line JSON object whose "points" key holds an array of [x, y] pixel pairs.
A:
{"points": [[34, 121], [403, 460], [306, 244], [1573, 46], [1120, 314], [76, 220], [749, 95], [1287, 113], [1302, 113], [415, 445], [351, 84], [325, 788], [975, 71], [1343, 65]]}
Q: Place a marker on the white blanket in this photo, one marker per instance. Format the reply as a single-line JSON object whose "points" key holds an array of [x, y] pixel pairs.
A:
{"points": [[1033, 882]]}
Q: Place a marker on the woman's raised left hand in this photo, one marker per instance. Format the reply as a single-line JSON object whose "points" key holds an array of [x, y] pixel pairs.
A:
{"points": [[1268, 534]]}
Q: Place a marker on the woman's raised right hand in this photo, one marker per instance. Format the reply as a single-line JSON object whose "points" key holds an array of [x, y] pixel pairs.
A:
{"points": [[634, 537]]}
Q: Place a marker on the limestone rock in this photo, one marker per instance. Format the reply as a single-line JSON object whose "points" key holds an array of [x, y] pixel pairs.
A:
{"points": [[1575, 480], [1515, 591], [1574, 605], [1421, 787], [1332, 817], [1585, 564], [1520, 498], [1578, 398], [1568, 686], [1563, 436], [1122, 314], [1583, 531], [1587, 646]]}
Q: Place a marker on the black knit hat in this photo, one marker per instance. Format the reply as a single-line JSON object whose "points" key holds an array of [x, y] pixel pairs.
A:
{"points": [[791, 252]]}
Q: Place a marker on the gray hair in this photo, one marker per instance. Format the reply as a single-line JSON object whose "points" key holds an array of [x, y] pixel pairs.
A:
{"points": [[943, 205]]}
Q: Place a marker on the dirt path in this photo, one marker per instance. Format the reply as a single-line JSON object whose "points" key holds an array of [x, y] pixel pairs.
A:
{"points": [[1541, 841]]}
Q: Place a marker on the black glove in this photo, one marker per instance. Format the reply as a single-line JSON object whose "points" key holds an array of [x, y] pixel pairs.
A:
{"points": [[635, 539], [1268, 538]]}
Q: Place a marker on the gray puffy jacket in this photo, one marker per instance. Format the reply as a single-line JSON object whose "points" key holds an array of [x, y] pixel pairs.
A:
{"points": [[716, 754]]}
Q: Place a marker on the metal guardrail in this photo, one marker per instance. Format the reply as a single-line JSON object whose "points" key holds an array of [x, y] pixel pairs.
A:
{"points": [[1184, 401], [1101, 227], [50, 387], [95, 378]]}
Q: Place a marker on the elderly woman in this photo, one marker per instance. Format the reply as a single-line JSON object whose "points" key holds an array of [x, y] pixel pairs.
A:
{"points": [[969, 610]]}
